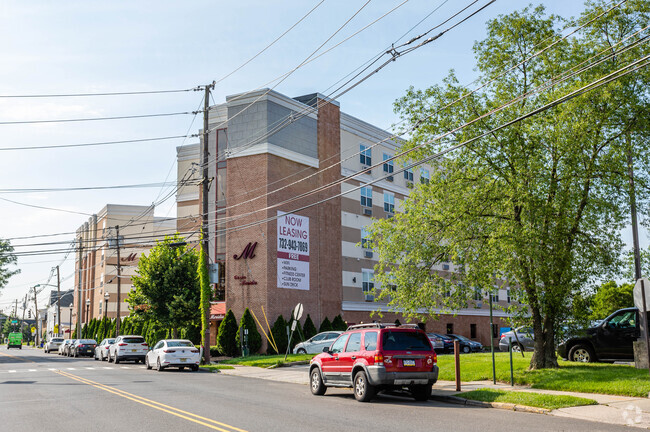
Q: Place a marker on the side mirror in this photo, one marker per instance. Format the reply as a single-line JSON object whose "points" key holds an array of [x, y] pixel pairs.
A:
{"points": [[326, 349]]}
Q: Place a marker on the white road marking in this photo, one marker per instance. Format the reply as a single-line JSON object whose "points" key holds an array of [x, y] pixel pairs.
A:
{"points": [[89, 368], [109, 368], [125, 367], [71, 368], [32, 370], [11, 371]]}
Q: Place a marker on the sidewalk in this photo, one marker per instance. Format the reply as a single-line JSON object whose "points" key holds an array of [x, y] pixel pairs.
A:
{"points": [[620, 410]]}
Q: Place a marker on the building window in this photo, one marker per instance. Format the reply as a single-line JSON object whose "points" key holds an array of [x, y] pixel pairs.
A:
{"points": [[389, 166], [408, 174], [389, 202], [424, 176], [495, 296], [366, 196], [365, 155], [368, 283], [365, 241], [478, 295], [100, 306], [472, 331], [508, 295], [450, 328]]}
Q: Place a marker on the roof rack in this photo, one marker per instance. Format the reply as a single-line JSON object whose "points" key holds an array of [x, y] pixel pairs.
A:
{"points": [[382, 325]]}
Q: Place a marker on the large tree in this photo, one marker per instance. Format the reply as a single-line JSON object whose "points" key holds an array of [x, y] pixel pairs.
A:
{"points": [[166, 287], [7, 258], [537, 206]]}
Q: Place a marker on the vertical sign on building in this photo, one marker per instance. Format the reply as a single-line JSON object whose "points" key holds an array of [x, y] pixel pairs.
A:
{"points": [[293, 251]]}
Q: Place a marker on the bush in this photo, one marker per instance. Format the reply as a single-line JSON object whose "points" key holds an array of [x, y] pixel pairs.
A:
{"points": [[309, 329], [279, 332], [326, 325], [254, 336], [226, 339], [339, 324]]}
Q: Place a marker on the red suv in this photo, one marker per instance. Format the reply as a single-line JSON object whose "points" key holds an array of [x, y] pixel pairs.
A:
{"points": [[375, 357]]}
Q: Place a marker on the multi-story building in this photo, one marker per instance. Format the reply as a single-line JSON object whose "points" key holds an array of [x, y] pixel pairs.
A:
{"points": [[97, 294], [58, 301], [294, 183]]}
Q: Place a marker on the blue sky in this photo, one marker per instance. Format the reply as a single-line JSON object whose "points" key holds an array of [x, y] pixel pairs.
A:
{"points": [[92, 46]]}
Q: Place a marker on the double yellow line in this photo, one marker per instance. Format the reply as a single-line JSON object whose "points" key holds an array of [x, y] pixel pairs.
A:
{"points": [[209, 423]]}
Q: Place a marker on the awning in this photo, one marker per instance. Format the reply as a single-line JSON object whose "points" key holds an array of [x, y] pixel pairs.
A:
{"points": [[217, 311]]}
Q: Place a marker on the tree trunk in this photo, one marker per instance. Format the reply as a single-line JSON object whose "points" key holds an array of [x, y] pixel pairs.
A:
{"points": [[544, 356], [174, 333]]}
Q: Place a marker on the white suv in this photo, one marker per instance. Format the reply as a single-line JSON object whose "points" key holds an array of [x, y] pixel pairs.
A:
{"points": [[128, 348], [53, 344]]}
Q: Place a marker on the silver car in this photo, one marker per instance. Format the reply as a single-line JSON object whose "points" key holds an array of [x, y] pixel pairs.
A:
{"points": [[316, 344], [524, 340], [64, 346], [53, 344]]}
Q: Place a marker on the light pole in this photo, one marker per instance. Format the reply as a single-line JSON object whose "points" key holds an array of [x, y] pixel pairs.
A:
{"points": [[58, 297], [70, 323], [87, 309], [106, 297]]}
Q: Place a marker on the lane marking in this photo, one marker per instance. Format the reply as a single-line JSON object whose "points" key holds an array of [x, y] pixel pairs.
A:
{"points": [[11, 371], [31, 370], [156, 405], [71, 369], [17, 358], [125, 367], [90, 368]]}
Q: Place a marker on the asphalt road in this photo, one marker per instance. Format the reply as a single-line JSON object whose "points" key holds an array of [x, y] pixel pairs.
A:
{"points": [[52, 393]]}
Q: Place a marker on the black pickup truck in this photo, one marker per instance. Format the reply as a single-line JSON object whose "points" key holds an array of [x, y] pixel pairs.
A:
{"points": [[610, 340]]}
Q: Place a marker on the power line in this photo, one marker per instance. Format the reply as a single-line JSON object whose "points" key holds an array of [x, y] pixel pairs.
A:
{"points": [[85, 188], [94, 144], [146, 92], [96, 118]]}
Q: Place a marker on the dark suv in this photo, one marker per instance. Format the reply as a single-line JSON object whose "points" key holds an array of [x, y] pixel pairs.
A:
{"points": [[375, 357], [610, 340]]}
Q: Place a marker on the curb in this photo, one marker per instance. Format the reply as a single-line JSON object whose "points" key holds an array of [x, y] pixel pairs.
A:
{"points": [[498, 405]]}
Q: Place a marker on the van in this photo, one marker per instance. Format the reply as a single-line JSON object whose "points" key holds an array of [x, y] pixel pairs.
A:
{"points": [[15, 341]]}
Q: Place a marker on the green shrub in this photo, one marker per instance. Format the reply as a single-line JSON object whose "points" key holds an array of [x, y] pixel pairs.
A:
{"points": [[326, 325], [339, 324], [226, 339], [279, 331], [254, 336], [309, 329]]}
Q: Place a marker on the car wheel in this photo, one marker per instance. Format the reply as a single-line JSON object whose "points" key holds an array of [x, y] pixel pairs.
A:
{"points": [[363, 390], [195, 368], [116, 359], [181, 368], [516, 348], [301, 351], [466, 349], [581, 353], [421, 392], [95, 357], [146, 362], [316, 383], [159, 367]]}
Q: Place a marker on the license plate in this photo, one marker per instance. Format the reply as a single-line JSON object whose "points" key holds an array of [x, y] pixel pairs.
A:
{"points": [[135, 350], [407, 362], [183, 359]]}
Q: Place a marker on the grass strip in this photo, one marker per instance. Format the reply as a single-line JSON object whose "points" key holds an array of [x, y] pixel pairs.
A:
{"points": [[216, 367], [265, 361], [537, 400]]}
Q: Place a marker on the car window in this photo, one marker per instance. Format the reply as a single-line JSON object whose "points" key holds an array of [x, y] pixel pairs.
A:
{"points": [[405, 341], [87, 341], [180, 344], [331, 336], [158, 345], [133, 340], [318, 337], [57, 340], [354, 343], [338, 344], [370, 341], [623, 320]]}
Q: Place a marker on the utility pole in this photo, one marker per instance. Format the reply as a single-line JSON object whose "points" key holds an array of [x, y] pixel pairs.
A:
{"points": [[15, 314], [204, 225], [36, 316], [58, 301], [22, 322], [119, 282], [79, 295]]}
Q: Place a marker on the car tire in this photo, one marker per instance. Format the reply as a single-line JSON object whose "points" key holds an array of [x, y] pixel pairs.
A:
{"points": [[466, 349], [195, 368], [517, 348], [146, 363], [301, 351], [116, 360], [159, 367], [181, 368], [421, 392], [363, 390], [582, 353], [316, 383]]}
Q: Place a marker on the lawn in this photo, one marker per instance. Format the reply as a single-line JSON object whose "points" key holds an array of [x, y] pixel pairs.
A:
{"points": [[526, 398], [267, 360], [578, 377]]}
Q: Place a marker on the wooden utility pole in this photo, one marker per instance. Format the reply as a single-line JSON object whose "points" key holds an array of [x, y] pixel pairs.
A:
{"points": [[58, 302], [204, 225], [22, 323], [36, 317], [79, 295], [119, 282]]}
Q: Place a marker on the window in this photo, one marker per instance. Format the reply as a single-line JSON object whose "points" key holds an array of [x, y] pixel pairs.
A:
{"points": [[368, 283], [339, 344], [354, 343], [508, 295], [495, 296], [450, 328], [370, 341], [388, 164], [366, 196], [365, 155], [365, 242], [389, 202], [424, 176], [100, 306], [472, 331], [408, 174], [624, 320], [478, 295]]}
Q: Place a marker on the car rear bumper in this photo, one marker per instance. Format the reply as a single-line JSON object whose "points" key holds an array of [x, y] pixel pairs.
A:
{"points": [[130, 357], [378, 376]]}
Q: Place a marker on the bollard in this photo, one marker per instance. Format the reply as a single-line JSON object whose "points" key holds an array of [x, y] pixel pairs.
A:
{"points": [[512, 377], [457, 363]]}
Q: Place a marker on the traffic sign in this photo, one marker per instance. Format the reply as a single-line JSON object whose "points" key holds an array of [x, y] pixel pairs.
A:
{"points": [[638, 298], [297, 311]]}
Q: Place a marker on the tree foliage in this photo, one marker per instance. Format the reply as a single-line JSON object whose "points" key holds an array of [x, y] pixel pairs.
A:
{"points": [[326, 325], [7, 258], [535, 207], [254, 337], [309, 329], [279, 331], [226, 339], [339, 324], [609, 298]]}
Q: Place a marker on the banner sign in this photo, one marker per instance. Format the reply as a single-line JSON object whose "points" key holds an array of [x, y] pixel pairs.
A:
{"points": [[293, 251]]}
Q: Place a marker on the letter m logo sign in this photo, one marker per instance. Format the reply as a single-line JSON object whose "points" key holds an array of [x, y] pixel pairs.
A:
{"points": [[248, 252]]}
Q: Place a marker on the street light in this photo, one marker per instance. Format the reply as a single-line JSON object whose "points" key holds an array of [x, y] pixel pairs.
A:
{"points": [[106, 297], [87, 308], [70, 323]]}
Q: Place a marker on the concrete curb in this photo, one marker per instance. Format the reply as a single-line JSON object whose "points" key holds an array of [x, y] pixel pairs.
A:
{"points": [[498, 405]]}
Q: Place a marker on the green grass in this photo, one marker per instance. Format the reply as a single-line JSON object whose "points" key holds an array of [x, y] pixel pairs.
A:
{"points": [[538, 400], [267, 360], [216, 367], [578, 377]]}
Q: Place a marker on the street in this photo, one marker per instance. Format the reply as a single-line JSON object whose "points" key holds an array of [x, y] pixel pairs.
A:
{"points": [[50, 392]]}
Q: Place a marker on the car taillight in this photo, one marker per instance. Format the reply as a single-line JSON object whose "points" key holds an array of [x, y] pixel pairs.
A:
{"points": [[169, 351], [379, 359], [81, 345], [144, 344], [106, 347], [122, 344], [194, 350]]}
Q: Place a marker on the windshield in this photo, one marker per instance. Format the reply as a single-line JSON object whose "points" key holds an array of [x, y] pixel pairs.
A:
{"points": [[463, 338], [180, 344], [405, 341], [57, 340], [133, 340], [87, 341]]}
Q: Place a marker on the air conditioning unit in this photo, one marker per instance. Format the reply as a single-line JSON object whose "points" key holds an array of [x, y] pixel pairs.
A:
{"points": [[367, 212], [389, 178], [367, 254], [369, 297]]}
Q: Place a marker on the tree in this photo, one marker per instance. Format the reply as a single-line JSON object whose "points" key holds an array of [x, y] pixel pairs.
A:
{"points": [[166, 286], [204, 300], [339, 324], [7, 258], [226, 339], [535, 207], [254, 338], [609, 298], [326, 325], [279, 331], [309, 328]]}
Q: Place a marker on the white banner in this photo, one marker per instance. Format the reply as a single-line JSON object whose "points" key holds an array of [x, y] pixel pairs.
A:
{"points": [[293, 251]]}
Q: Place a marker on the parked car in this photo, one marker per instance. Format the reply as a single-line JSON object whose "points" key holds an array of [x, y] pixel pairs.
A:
{"points": [[436, 342], [64, 346], [178, 353], [610, 340], [53, 344], [315, 344], [67, 347], [467, 345], [523, 340], [128, 348], [101, 350], [447, 343], [375, 357], [83, 347]]}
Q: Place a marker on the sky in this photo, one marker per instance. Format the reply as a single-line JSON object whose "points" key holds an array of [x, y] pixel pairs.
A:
{"points": [[77, 47]]}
